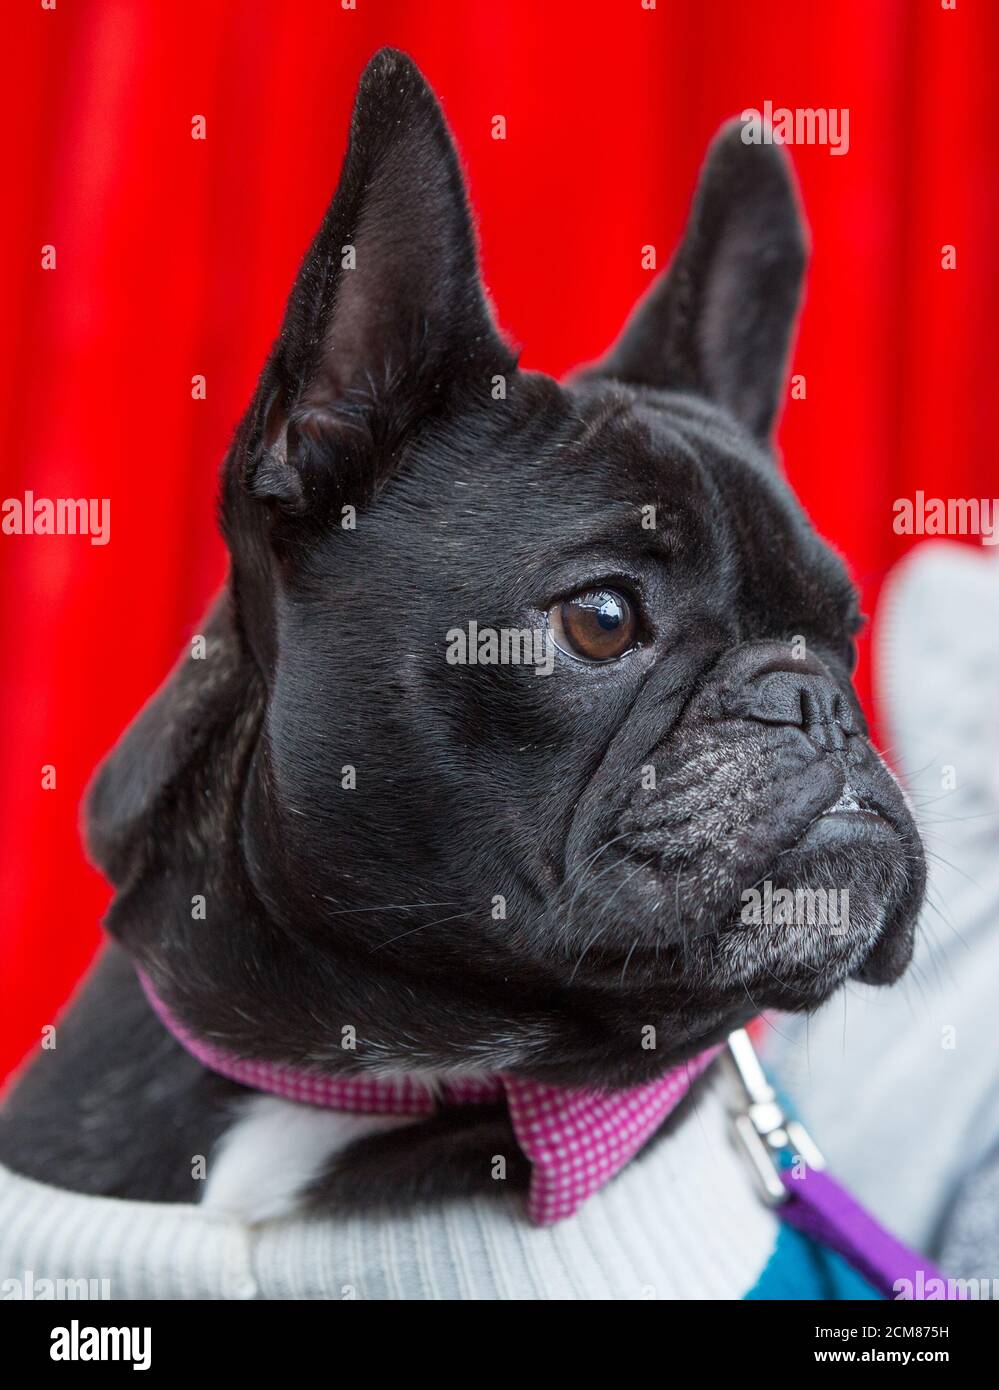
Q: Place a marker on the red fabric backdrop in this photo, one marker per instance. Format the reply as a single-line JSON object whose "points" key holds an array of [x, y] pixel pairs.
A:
{"points": [[174, 255]]}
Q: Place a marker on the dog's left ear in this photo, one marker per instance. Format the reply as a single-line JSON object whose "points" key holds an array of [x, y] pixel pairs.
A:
{"points": [[719, 320], [387, 320]]}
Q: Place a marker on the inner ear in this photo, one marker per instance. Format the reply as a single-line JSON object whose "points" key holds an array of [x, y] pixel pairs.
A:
{"points": [[283, 463], [387, 320]]}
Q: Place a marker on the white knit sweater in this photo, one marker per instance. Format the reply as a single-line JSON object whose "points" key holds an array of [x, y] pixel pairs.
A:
{"points": [[682, 1221]]}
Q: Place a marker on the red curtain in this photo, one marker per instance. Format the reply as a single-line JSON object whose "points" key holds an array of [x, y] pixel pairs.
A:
{"points": [[173, 256]]}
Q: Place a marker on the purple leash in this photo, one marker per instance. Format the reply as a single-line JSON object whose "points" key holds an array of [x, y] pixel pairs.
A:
{"points": [[808, 1198]]}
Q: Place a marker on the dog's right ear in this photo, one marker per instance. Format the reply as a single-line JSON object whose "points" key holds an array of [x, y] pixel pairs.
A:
{"points": [[719, 321], [387, 320]]}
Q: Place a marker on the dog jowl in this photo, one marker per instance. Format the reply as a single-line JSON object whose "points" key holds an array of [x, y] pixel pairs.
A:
{"points": [[452, 863]]}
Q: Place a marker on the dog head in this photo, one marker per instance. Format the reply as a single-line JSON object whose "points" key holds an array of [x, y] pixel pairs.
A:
{"points": [[520, 690]]}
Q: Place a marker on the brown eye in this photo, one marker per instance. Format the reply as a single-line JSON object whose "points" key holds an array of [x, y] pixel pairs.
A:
{"points": [[599, 625]]}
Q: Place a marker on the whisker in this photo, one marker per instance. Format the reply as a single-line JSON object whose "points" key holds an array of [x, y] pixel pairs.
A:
{"points": [[423, 925]]}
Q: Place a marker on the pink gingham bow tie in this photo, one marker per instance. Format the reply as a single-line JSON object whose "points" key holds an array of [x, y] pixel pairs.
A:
{"points": [[576, 1140]]}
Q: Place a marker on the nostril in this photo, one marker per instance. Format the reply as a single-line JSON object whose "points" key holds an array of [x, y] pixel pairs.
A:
{"points": [[810, 715]]}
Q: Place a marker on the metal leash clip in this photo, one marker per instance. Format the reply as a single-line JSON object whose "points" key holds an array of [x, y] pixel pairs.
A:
{"points": [[762, 1130]]}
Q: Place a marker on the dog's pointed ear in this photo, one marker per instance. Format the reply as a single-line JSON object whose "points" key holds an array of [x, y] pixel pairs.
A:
{"points": [[387, 317], [719, 321]]}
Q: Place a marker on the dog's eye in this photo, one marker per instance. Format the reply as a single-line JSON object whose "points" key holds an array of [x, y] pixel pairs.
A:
{"points": [[598, 625]]}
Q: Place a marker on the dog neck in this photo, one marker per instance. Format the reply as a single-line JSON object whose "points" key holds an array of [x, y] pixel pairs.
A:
{"points": [[575, 1139]]}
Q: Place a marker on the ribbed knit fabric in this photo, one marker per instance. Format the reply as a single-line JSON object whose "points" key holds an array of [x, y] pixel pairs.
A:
{"points": [[682, 1221]]}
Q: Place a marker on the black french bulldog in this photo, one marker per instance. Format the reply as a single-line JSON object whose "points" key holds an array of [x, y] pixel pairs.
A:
{"points": [[465, 866]]}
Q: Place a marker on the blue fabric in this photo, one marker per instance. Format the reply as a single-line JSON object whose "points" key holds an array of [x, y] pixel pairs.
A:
{"points": [[800, 1269]]}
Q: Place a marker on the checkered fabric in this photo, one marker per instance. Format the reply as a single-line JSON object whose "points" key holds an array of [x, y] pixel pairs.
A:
{"points": [[575, 1139]]}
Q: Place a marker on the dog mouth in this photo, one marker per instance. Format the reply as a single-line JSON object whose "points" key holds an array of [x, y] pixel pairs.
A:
{"points": [[851, 816], [797, 897], [852, 805], [847, 803]]}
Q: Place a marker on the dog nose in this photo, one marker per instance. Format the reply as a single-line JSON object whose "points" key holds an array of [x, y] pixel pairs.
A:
{"points": [[798, 694]]}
